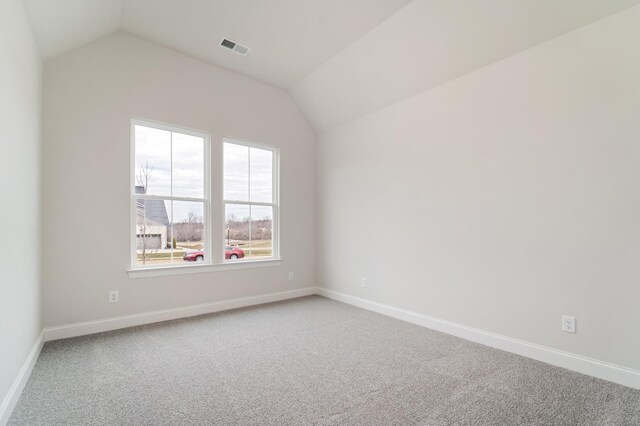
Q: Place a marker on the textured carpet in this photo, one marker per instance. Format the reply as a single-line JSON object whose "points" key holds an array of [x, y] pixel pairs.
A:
{"points": [[305, 361]]}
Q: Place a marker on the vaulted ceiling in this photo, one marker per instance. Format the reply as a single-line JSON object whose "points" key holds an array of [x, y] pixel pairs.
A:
{"points": [[430, 42], [340, 59], [288, 38]]}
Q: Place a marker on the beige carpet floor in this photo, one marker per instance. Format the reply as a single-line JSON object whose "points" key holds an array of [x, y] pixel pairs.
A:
{"points": [[305, 361]]}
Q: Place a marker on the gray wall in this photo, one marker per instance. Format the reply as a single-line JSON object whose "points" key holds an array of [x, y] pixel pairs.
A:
{"points": [[503, 199], [20, 105], [90, 95]]}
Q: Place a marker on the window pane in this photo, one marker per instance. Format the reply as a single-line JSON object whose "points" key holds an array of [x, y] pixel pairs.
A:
{"points": [[236, 234], [236, 172], [261, 175], [188, 232], [261, 231], [153, 161], [153, 220], [169, 232], [188, 166]]}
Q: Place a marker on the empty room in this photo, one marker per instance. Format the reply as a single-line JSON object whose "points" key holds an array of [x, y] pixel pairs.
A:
{"points": [[296, 212]]}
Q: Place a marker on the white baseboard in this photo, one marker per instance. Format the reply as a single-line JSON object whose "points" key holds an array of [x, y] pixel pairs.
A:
{"points": [[11, 399], [592, 367], [115, 323]]}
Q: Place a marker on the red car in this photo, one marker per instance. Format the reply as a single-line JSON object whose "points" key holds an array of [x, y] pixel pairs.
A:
{"points": [[229, 253]]}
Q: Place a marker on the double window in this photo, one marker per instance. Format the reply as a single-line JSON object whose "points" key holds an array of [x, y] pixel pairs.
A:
{"points": [[172, 206]]}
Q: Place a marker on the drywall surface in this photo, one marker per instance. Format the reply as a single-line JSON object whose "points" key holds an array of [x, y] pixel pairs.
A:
{"points": [[20, 106], [503, 199], [90, 96], [430, 42]]}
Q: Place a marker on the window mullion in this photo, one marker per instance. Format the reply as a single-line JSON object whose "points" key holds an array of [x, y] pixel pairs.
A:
{"points": [[167, 197], [171, 190], [249, 198], [247, 203], [172, 231]]}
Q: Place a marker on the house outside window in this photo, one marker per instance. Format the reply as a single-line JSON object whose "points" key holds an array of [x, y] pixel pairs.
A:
{"points": [[172, 200]]}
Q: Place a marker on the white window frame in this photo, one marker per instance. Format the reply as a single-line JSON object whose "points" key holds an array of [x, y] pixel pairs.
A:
{"points": [[206, 200], [275, 202], [211, 263]]}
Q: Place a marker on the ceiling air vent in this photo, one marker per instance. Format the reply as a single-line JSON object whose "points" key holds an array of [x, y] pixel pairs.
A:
{"points": [[236, 47]]}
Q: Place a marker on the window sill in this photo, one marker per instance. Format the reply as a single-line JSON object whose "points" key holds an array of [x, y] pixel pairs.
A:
{"points": [[201, 268]]}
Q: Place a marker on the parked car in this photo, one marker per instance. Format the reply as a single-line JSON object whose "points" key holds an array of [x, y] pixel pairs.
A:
{"points": [[229, 253], [233, 253]]}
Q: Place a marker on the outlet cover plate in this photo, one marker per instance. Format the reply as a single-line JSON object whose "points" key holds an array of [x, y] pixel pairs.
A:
{"points": [[568, 324]]}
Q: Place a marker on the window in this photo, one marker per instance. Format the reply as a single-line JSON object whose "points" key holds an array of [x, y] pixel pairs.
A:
{"points": [[250, 201], [170, 193], [171, 181]]}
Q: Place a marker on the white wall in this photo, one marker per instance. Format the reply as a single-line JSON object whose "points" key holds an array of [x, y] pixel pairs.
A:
{"points": [[20, 105], [90, 95], [503, 199]]}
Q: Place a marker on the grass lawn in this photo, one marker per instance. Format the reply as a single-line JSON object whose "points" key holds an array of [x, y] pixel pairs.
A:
{"points": [[255, 249]]}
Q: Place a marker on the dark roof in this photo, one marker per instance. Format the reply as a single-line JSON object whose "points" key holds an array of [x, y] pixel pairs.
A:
{"points": [[154, 210]]}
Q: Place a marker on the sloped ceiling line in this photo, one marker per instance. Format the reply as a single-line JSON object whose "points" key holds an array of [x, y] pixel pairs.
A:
{"points": [[430, 42], [339, 59]]}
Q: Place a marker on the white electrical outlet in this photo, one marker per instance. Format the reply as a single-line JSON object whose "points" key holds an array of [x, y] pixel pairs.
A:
{"points": [[363, 282], [568, 324], [290, 276], [114, 296]]}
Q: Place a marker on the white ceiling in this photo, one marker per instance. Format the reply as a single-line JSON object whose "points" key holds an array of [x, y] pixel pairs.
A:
{"points": [[288, 38], [60, 26], [430, 42], [340, 59]]}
